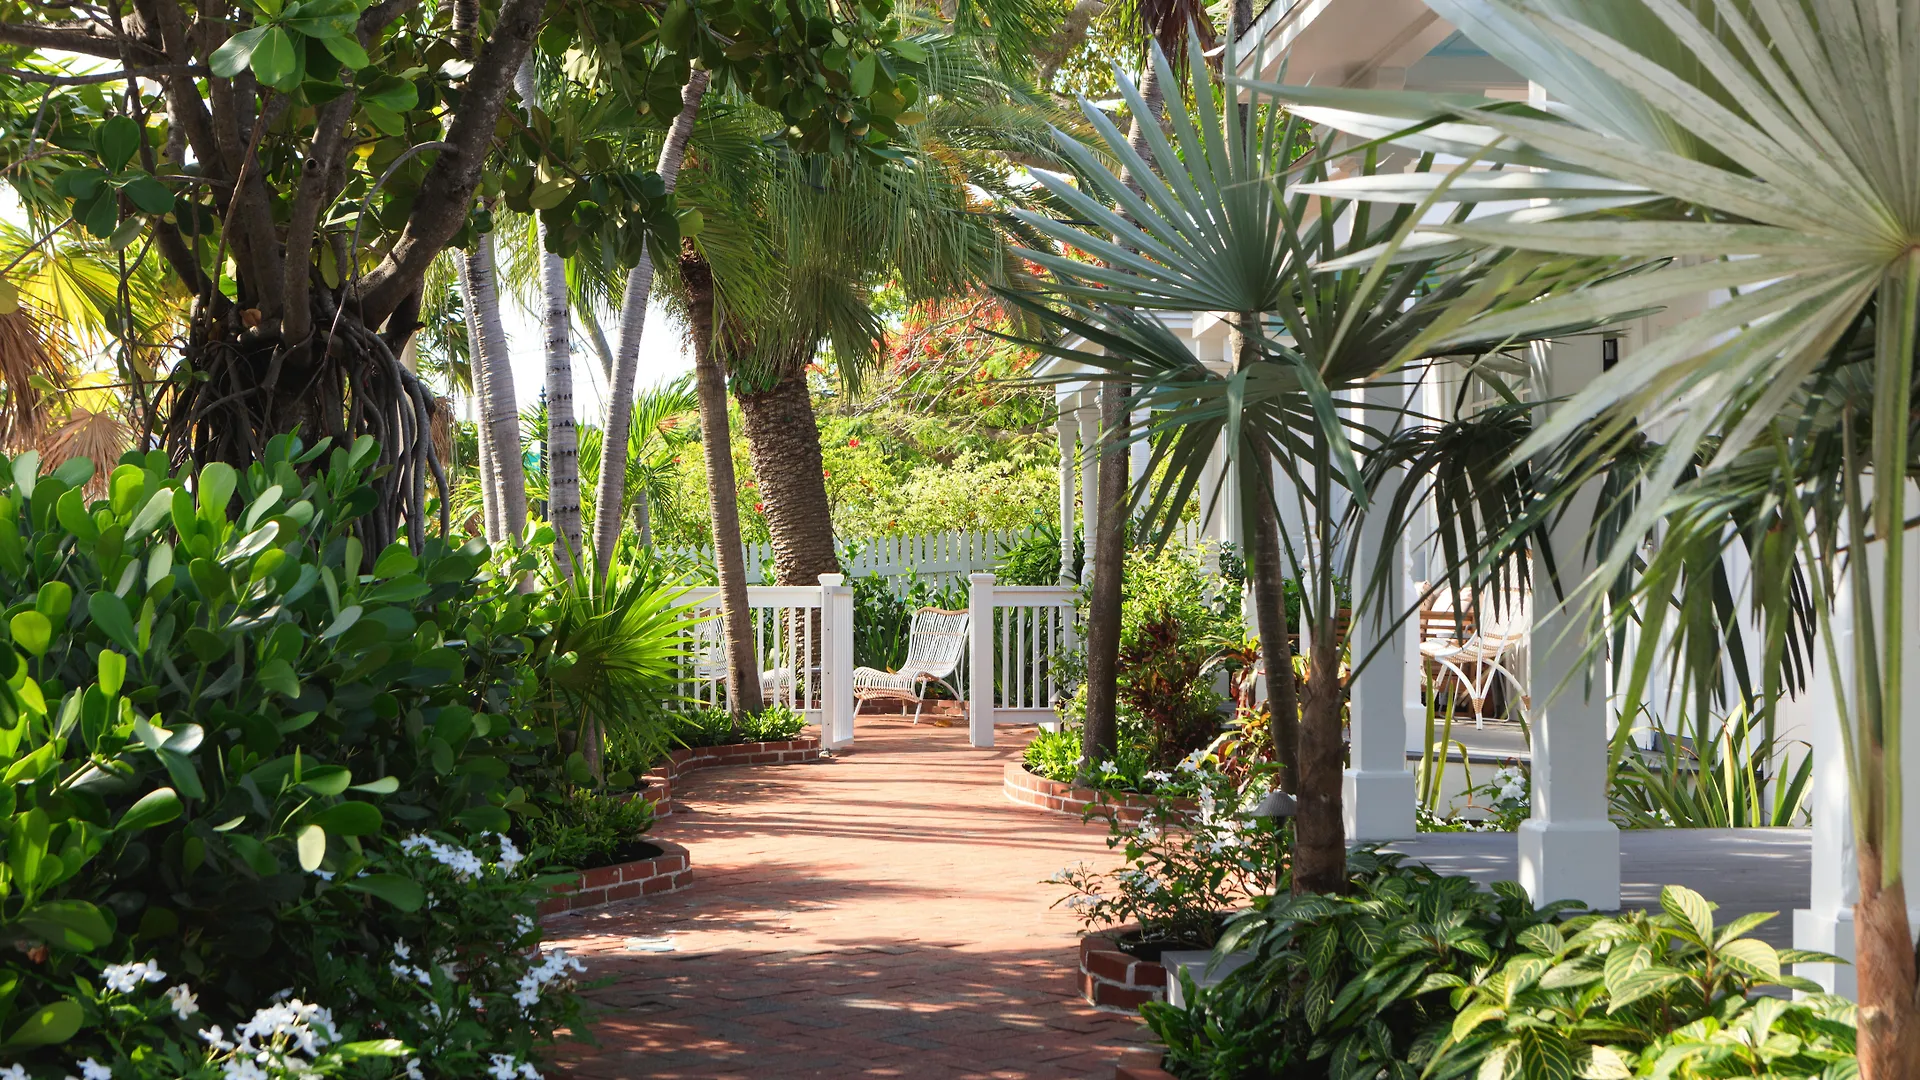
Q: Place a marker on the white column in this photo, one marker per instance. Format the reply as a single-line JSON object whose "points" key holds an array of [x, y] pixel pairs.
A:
{"points": [[1139, 453], [836, 664], [1064, 427], [1569, 849], [980, 659], [1089, 414], [1377, 792]]}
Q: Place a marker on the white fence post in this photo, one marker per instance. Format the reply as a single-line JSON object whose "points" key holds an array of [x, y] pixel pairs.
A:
{"points": [[980, 660], [836, 670]]}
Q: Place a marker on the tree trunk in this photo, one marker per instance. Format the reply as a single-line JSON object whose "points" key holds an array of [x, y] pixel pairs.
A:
{"points": [[1270, 620], [499, 407], [1319, 827], [783, 442], [483, 436], [610, 494], [561, 456], [716, 443], [643, 518], [1106, 548], [1884, 959]]}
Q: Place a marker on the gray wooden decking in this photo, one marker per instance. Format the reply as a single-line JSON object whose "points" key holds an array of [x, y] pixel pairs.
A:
{"points": [[1742, 870]]}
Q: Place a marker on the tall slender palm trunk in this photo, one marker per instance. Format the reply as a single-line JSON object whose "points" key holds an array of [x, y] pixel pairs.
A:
{"points": [[610, 493], [493, 385], [483, 438], [1269, 582], [716, 443], [561, 456], [1107, 547], [783, 443]]}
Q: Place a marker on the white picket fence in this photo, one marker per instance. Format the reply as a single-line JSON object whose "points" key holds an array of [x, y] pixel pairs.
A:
{"points": [[944, 560]]}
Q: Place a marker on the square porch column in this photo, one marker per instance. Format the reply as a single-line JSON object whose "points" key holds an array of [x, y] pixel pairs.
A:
{"points": [[1090, 509], [1570, 848], [1066, 427], [1377, 793]]}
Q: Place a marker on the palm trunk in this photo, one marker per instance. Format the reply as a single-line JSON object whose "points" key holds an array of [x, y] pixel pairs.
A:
{"points": [[716, 443], [610, 493], [783, 442], [483, 460], [499, 407], [1319, 828], [1106, 549], [561, 456], [1885, 961], [643, 518], [602, 348]]}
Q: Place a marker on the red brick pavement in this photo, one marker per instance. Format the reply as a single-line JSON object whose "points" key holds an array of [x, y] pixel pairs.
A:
{"points": [[877, 915]]}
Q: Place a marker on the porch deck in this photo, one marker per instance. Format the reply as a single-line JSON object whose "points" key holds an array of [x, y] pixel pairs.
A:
{"points": [[1742, 870]]}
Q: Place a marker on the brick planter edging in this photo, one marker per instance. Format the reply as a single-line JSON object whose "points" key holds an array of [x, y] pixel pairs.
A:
{"points": [[1114, 981], [1027, 789], [659, 790], [666, 872]]}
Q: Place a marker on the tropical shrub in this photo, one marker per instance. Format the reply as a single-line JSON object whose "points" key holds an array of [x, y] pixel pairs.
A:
{"points": [[220, 716], [1196, 853], [1419, 974], [584, 829], [1035, 558], [1175, 628], [1720, 784], [716, 727]]}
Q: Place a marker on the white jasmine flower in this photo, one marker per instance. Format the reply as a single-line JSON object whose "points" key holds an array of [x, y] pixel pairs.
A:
{"points": [[216, 1038], [14, 1072], [413, 1070], [401, 950], [323, 875], [509, 855], [93, 1070], [124, 978], [504, 1067], [474, 1002], [1159, 776], [523, 925], [1109, 768], [1191, 763], [528, 1072], [183, 1000], [243, 1069], [464, 864]]}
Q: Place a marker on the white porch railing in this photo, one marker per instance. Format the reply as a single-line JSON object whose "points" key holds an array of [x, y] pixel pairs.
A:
{"points": [[1019, 633], [803, 637], [942, 560]]}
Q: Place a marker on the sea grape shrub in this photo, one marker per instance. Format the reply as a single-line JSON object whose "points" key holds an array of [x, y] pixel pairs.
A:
{"points": [[219, 713]]}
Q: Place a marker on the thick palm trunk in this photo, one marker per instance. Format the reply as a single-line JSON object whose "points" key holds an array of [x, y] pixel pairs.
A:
{"points": [[1270, 619], [1885, 961], [783, 442], [610, 493], [1319, 829], [1106, 549], [499, 407], [716, 443]]}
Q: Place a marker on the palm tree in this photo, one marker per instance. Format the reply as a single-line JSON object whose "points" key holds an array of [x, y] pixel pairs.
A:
{"points": [[1765, 149], [633, 325], [502, 471], [716, 437], [1224, 227]]}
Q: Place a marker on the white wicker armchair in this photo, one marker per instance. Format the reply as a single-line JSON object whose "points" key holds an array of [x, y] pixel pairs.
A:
{"points": [[1501, 631], [935, 644]]}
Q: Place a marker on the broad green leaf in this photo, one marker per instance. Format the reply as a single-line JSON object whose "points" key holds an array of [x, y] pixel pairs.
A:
{"points": [[1690, 908], [401, 892], [156, 807], [1751, 955], [149, 194], [119, 140], [394, 561], [74, 925], [233, 57], [111, 671], [273, 59], [54, 600], [214, 488], [32, 632], [346, 50], [326, 780], [349, 819], [311, 844], [277, 675], [47, 1026], [110, 614]]}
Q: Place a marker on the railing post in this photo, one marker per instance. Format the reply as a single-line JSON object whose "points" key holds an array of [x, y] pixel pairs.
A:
{"points": [[980, 660], [836, 661]]}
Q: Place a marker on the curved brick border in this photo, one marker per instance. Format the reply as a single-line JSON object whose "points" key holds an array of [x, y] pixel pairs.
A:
{"points": [[670, 870], [1027, 789], [1114, 981], [659, 790]]}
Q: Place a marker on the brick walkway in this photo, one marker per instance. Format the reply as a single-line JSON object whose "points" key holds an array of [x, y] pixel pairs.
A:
{"points": [[879, 915]]}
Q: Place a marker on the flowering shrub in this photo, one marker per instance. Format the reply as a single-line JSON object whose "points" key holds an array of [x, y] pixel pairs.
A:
{"points": [[1184, 868], [1055, 755], [217, 716], [461, 980], [1508, 801]]}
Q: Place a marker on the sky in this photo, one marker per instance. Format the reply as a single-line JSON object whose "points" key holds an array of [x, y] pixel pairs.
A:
{"points": [[664, 356]]}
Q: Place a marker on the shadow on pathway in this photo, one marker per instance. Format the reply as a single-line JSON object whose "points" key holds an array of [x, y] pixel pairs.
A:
{"points": [[879, 915]]}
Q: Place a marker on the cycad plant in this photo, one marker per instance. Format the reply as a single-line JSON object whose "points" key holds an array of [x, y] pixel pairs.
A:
{"points": [[1224, 227], [1764, 150]]}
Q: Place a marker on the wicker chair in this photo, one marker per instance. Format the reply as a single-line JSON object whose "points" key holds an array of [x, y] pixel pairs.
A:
{"points": [[935, 645], [710, 662]]}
